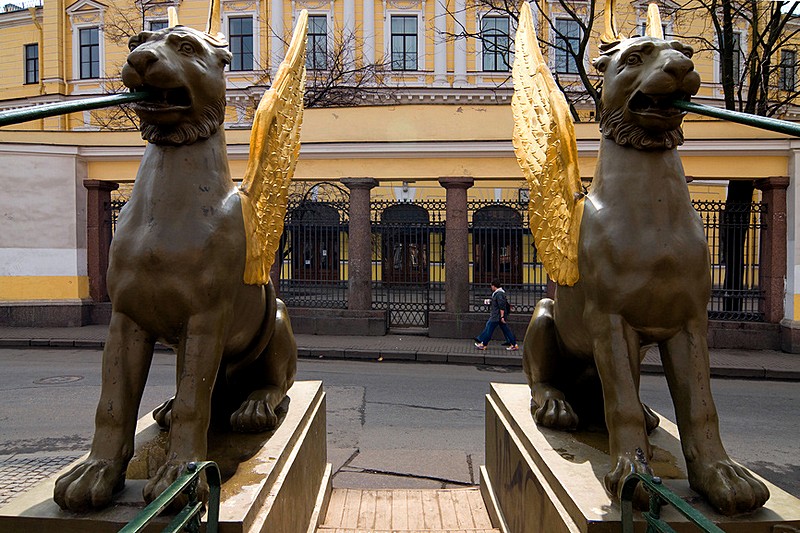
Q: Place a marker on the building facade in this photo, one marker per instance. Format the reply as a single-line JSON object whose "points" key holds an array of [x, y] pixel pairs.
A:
{"points": [[433, 106]]}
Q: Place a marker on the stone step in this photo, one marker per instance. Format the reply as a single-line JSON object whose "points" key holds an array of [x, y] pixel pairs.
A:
{"points": [[406, 511]]}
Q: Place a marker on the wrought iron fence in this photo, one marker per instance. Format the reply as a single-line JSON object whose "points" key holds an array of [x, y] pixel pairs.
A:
{"points": [[408, 256], [408, 260], [735, 291], [502, 248], [314, 254]]}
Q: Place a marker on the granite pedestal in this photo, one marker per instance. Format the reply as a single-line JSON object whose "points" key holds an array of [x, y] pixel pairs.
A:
{"points": [[277, 481], [539, 480]]}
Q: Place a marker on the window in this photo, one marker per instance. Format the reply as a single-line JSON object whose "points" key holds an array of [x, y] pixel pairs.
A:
{"points": [[737, 58], [788, 79], [317, 43], [241, 42], [32, 63], [568, 35], [494, 36], [156, 25], [404, 42], [89, 53]]}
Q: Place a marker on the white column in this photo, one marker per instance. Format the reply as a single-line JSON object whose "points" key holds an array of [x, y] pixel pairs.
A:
{"points": [[349, 30], [368, 23], [440, 45], [792, 307], [460, 79], [276, 52]]}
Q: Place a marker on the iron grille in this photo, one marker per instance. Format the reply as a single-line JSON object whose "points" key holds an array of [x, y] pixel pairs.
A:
{"points": [[502, 248], [314, 254], [735, 292], [408, 300], [408, 260]]}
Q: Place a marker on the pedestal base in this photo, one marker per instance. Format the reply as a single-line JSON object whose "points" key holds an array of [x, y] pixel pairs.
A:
{"points": [[539, 480], [277, 481]]}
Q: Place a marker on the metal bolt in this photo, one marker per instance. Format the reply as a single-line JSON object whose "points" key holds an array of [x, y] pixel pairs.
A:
{"points": [[657, 480], [191, 467]]}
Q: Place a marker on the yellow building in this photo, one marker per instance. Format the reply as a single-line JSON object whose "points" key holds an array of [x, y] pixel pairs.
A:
{"points": [[438, 107]]}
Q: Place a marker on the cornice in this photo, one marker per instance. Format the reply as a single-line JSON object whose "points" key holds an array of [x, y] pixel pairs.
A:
{"points": [[421, 149], [22, 17]]}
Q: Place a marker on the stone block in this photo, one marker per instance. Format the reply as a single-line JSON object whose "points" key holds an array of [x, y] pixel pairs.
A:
{"points": [[277, 481], [536, 479]]}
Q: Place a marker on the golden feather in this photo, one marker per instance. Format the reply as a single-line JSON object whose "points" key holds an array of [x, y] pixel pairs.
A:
{"points": [[546, 149], [274, 149]]}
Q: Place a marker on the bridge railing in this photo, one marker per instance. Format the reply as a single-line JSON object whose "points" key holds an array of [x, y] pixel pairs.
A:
{"points": [[188, 519]]}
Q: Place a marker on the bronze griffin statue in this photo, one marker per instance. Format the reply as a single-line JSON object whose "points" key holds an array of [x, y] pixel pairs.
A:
{"points": [[189, 262], [630, 259]]}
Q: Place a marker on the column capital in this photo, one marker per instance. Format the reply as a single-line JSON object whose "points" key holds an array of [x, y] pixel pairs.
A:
{"points": [[456, 182], [359, 183], [772, 182], [101, 184]]}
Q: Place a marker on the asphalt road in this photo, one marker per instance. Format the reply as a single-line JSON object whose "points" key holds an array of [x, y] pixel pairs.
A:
{"points": [[389, 424]]}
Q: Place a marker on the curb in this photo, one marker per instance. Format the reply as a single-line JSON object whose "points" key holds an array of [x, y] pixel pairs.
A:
{"points": [[438, 357]]}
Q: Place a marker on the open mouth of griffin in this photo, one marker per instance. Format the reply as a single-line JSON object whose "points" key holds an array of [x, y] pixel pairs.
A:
{"points": [[657, 104], [163, 99]]}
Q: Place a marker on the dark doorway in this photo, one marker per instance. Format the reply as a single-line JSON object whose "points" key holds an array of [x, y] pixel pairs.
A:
{"points": [[497, 245], [315, 242]]}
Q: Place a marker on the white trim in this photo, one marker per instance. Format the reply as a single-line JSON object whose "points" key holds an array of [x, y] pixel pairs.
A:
{"points": [[329, 40], [444, 149], [83, 19], [716, 74], [480, 73], [551, 60], [42, 261], [387, 40], [228, 14]]}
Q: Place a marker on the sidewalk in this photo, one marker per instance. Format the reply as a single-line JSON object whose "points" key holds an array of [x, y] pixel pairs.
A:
{"points": [[724, 363]]}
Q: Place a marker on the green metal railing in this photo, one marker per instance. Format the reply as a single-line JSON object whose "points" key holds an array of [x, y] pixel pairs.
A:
{"points": [[188, 519], [659, 496], [62, 108], [764, 123]]}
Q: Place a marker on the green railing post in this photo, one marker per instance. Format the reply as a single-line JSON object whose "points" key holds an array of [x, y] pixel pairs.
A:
{"points": [[62, 108], [188, 519], [659, 496], [764, 123]]}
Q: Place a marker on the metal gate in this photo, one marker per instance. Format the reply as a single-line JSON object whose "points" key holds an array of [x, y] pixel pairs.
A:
{"points": [[314, 247], [407, 261], [502, 248]]}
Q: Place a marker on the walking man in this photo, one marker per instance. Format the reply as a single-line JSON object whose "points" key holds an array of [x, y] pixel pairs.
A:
{"points": [[498, 309]]}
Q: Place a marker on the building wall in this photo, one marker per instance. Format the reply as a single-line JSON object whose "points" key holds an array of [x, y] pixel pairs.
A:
{"points": [[449, 70], [43, 242]]}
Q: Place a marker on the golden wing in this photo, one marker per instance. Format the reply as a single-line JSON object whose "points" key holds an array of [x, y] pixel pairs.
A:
{"points": [[544, 142], [274, 148]]}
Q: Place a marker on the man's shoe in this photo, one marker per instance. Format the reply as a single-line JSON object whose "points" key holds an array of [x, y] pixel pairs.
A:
{"points": [[480, 346], [513, 348]]}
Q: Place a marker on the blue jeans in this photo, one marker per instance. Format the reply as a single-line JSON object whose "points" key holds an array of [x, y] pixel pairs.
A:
{"points": [[488, 331]]}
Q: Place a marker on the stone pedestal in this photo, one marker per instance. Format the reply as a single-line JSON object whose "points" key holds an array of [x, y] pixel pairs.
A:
{"points": [[539, 480], [277, 481]]}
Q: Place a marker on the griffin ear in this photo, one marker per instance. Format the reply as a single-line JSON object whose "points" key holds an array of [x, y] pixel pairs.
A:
{"points": [[653, 27], [601, 63], [172, 15], [214, 19]]}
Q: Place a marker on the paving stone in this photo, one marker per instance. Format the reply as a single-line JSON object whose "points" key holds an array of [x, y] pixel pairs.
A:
{"points": [[18, 473]]}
